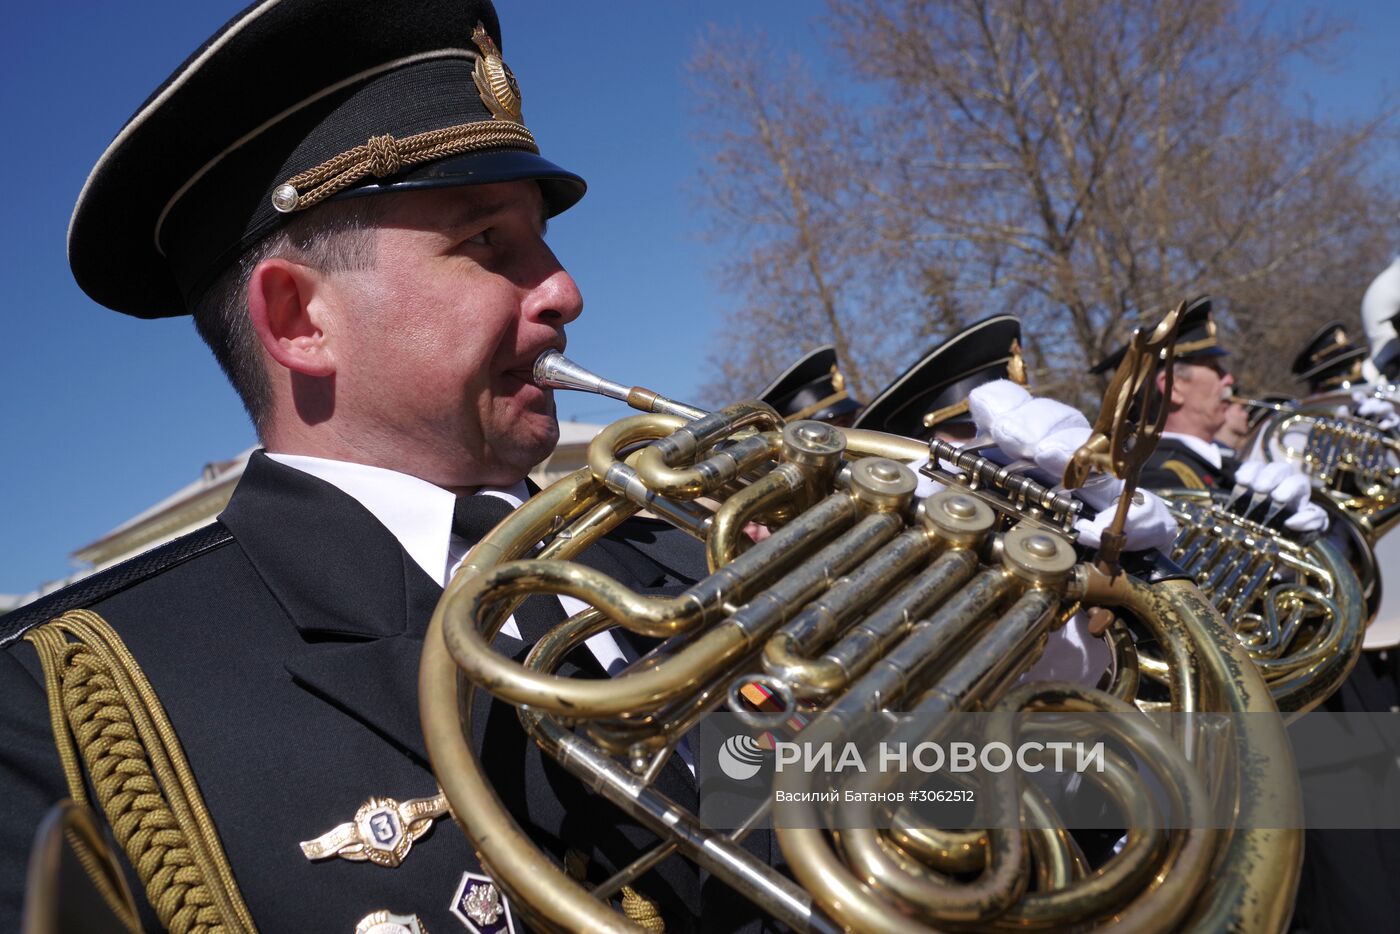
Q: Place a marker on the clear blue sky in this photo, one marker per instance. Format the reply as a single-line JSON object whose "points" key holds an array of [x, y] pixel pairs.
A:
{"points": [[103, 415]]}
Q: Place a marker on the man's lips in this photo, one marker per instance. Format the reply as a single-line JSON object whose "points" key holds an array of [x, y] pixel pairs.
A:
{"points": [[525, 377], [520, 385], [524, 370]]}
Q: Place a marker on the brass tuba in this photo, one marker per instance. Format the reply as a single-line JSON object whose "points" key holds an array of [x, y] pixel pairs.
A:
{"points": [[864, 599]]}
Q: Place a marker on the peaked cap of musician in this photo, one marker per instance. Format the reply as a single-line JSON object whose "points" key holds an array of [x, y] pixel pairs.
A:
{"points": [[1196, 339], [812, 387], [1329, 359], [291, 103], [932, 393]]}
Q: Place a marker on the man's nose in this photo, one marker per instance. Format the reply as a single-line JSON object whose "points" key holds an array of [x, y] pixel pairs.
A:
{"points": [[556, 300]]}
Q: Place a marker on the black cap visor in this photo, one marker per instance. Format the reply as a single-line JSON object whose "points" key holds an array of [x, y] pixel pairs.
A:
{"points": [[1205, 353], [1337, 361], [562, 189], [841, 407]]}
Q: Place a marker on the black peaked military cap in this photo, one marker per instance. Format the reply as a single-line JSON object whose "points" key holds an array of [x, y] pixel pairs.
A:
{"points": [[293, 102], [1195, 339], [1329, 358], [813, 387], [933, 392]]}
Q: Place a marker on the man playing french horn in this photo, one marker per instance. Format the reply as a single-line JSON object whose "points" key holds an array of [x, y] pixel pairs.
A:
{"points": [[240, 706], [1188, 456], [360, 237]]}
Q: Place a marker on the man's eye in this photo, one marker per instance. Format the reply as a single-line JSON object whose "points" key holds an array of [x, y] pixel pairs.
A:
{"points": [[481, 239]]}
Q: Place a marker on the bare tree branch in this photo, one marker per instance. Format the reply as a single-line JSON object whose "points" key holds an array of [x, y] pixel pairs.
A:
{"points": [[1081, 164]]}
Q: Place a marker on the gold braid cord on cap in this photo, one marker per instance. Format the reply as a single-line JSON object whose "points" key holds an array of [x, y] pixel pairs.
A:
{"points": [[106, 714], [384, 155]]}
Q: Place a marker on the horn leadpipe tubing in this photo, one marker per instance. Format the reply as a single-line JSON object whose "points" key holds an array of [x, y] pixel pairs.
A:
{"points": [[989, 473], [556, 371], [1261, 404]]}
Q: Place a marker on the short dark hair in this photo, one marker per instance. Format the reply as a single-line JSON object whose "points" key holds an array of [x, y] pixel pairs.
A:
{"points": [[332, 237]]}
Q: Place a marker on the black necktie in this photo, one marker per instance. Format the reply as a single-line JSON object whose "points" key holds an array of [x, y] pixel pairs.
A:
{"points": [[472, 518]]}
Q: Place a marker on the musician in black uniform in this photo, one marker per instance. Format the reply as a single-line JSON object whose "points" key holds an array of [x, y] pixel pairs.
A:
{"points": [[1186, 456], [344, 195], [346, 198], [1343, 885], [1330, 360]]}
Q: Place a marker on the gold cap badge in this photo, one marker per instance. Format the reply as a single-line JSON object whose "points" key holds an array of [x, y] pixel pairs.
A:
{"points": [[494, 80]]}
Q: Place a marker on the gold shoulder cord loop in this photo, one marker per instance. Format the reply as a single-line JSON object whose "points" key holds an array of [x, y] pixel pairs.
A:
{"points": [[105, 712], [642, 911], [1188, 477]]}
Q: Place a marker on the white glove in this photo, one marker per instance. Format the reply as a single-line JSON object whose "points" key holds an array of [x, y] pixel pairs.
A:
{"points": [[1019, 431], [1150, 523], [1054, 450], [1287, 486], [991, 401], [1377, 410], [1049, 432], [1263, 476], [1309, 517], [1293, 491]]}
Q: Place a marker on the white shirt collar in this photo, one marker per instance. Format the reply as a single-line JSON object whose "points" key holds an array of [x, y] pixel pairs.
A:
{"points": [[416, 512], [1205, 449]]}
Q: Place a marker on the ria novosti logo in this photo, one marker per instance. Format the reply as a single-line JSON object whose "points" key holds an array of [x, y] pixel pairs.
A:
{"points": [[740, 757]]}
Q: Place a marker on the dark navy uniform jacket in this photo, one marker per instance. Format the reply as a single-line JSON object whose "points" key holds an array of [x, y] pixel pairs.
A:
{"points": [[287, 661], [1174, 465]]}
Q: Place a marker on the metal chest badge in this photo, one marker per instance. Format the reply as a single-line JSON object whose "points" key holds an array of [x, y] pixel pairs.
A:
{"points": [[494, 80], [386, 922], [480, 906], [382, 831]]}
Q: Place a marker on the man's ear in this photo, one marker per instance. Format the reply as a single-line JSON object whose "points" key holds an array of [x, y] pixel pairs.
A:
{"points": [[1177, 398], [283, 306]]}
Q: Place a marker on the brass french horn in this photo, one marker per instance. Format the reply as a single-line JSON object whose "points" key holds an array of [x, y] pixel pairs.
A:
{"points": [[1297, 606], [863, 599], [1353, 461]]}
